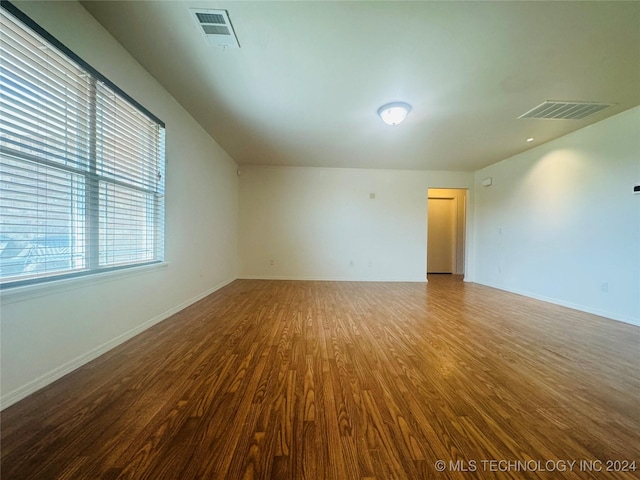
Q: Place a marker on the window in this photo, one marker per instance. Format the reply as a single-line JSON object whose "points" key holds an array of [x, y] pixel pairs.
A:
{"points": [[81, 164]]}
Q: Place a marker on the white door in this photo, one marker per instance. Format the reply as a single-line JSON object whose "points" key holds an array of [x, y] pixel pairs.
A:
{"points": [[441, 235]]}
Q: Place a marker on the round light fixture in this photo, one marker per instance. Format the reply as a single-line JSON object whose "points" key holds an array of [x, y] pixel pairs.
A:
{"points": [[394, 113], [530, 139]]}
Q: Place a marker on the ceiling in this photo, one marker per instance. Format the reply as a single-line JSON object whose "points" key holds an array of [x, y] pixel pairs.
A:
{"points": [[305, 85]]}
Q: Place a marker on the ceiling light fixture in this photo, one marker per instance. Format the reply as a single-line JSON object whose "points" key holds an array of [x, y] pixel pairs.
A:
{"points": [[394, 113], [530, 139]]}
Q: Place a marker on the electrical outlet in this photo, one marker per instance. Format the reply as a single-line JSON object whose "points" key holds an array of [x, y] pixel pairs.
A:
{"points": [[271, 262], [604, 286], [351, 263]]}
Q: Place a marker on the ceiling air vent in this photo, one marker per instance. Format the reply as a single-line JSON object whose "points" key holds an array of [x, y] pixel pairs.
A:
{"points": [[551, 110], [216, 27]]}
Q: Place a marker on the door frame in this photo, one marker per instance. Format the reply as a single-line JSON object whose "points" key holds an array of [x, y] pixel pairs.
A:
{"points": [[461, 227]]}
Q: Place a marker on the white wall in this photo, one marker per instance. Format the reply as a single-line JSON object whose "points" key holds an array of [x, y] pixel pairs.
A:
{"points": [[561, 219], [47, 332], [319, 223]]}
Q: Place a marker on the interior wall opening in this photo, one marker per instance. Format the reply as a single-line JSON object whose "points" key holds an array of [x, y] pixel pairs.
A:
{"points": [[446, 230]]}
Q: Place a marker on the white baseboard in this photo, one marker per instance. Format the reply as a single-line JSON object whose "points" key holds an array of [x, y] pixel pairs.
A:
{"points": [[60, 371], [562, 303], [331, 279]]}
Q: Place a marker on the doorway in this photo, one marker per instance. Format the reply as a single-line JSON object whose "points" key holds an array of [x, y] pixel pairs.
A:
{"points": [[446, 217]]}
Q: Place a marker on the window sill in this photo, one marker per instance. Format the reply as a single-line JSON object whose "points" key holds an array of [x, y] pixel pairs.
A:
{"points": [[28, 292]]}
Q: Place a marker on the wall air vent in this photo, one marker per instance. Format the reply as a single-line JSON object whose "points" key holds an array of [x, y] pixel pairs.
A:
{"points": [[216, 27], [551, 110]]}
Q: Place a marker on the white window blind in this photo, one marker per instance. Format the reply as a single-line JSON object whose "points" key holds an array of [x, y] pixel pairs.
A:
{"points": [[81, 164]]}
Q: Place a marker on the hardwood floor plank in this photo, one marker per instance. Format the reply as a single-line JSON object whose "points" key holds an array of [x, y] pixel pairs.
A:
{"points": [[341, 381]]}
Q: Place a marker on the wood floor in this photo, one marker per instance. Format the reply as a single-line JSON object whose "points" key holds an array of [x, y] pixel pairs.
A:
{"points": [[341, 381]]}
